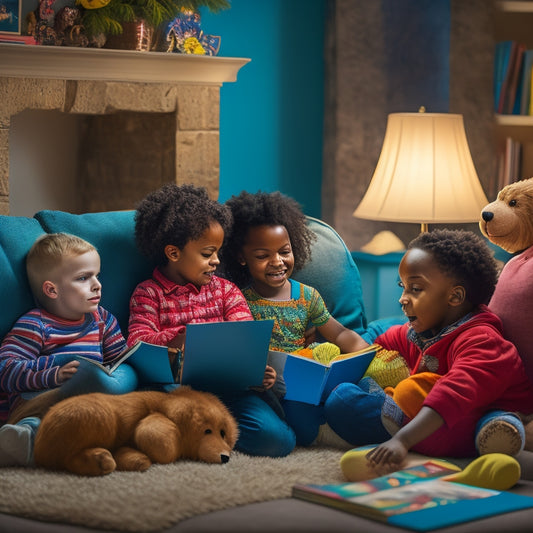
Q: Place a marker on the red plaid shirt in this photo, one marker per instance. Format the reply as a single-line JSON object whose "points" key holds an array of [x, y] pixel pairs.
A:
{"points": [[160, 309]]}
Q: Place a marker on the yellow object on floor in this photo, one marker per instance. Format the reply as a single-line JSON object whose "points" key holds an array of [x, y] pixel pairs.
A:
{"points": [[495, 471]]}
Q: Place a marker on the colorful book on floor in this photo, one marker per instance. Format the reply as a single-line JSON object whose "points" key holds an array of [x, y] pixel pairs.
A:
{"points": [[415, 498], [217, 357], [310, 381]]}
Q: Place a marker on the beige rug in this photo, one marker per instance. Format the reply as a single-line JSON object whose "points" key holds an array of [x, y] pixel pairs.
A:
{"points": [[163, 495]]}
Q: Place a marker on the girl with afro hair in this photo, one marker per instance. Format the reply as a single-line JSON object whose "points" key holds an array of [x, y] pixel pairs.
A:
{"points": [[270, 240], [181, 230]]}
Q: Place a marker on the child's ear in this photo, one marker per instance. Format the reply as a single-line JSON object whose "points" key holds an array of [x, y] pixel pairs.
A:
{"points": [[457, 295], [172, 252], [241, 260], [49, 289]]}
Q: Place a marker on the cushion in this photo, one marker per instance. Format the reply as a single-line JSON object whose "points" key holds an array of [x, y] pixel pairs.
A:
{"points": [[17, 234], [334, 274], [122, 266]]}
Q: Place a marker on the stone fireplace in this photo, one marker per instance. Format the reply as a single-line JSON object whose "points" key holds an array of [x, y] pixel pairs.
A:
{"points": [[141, 119]]}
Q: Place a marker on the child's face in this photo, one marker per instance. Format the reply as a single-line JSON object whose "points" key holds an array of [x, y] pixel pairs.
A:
{"points": [[197, 261], [430, 299], [267, 253], [73, 288]]}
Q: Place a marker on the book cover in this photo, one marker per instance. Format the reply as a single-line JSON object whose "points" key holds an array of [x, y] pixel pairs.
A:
{"points": [[414, 498], [512, 105], [310, 381], [152, 363], [509, 55], [526, 82], [501, 62], [226, 356]]}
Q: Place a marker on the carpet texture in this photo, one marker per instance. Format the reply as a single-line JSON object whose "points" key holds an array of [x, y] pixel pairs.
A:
{"points": [[165, 494]]}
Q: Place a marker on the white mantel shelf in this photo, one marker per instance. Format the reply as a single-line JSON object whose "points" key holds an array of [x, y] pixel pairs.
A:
{"points": [[72, 63]]}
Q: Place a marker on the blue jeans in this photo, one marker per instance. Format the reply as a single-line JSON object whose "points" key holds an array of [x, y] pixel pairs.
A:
{"points": [[355, 414], [261, 431]]}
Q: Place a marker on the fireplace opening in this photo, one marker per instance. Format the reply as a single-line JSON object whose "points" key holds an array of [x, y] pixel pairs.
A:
{"points": [[88, 163]]}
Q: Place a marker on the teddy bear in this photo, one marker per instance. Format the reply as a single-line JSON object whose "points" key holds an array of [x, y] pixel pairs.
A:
{"points": [[508, 223], [94, 434]]}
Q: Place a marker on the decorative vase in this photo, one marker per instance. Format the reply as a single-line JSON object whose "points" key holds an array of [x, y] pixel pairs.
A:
{"points": [[136, 35]]}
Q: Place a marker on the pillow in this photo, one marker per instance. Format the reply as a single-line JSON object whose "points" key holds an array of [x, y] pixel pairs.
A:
{"points": [[17, 234], [122, 265], [334, 274]]}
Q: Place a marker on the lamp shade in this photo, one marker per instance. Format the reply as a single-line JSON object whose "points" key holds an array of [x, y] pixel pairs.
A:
{"points": [[425, 173]]}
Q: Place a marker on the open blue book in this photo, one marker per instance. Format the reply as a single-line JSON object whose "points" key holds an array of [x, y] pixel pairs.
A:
{"points": [[310, 381], [217, 357], [415, 498]]}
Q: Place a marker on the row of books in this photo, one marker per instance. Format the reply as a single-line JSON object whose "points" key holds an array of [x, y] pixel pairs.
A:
{"points": [[512, 78]]}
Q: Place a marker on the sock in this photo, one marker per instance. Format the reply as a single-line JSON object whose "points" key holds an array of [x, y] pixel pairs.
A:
{"points": [[387, 368], [495, 471], [392, 417], [327, 437], [16, 442], [500, 432], [356, 468]]}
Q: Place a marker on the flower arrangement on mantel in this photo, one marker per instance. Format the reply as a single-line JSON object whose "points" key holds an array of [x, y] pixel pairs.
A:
{"points": [[163, 25]]}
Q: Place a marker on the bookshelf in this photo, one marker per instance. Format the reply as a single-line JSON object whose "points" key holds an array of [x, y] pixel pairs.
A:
{"points": [[513, 20]]}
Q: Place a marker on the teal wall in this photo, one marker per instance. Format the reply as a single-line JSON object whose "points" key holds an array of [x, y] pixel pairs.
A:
{"points": [[271, 118]]}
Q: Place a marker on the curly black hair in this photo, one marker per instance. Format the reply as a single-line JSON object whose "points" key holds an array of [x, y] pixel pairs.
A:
{"points": [[264, 209], [463, 256], [175, 214]]}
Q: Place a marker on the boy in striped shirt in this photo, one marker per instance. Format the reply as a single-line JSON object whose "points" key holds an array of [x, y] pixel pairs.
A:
{"points": [[40, 351]]}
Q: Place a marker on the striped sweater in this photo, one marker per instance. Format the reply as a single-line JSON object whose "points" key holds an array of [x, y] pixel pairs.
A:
{"points": [[39, 343]]}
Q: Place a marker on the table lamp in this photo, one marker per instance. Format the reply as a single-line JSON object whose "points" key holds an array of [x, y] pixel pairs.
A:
{"points": [[425, 173]]}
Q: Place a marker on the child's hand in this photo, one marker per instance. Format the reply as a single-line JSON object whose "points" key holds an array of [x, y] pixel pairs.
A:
{"points": [[269, 378], [178, 341], [391, 453], [309, 336], [67, 371]]}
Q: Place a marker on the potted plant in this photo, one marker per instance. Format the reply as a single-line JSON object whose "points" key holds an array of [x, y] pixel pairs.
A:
{"points": [[120, 17]]}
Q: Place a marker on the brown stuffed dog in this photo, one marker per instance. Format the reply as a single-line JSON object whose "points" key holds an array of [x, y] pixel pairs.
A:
{"points": [[95, 434], [508, 223]]}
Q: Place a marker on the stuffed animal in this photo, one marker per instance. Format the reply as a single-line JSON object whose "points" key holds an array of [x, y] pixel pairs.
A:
{"points": [[508, 223], [95, 434]]}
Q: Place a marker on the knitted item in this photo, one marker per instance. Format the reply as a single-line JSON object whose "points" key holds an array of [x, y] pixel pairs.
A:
{"points": [[500, 432], [410, 393], [387, 368], [392, 417], [492, 471], [325, 352]]}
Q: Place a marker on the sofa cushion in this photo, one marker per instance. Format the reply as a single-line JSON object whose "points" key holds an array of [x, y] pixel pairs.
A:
{"points": [[334, 274], [112, 233], [17, 234]]}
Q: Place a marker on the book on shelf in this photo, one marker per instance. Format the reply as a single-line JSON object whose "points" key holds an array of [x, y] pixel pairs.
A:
{"points": [[502, 56], [525, 98], [512, 105], [417, 498], [217, 357], [310, 381], [17, 39]]}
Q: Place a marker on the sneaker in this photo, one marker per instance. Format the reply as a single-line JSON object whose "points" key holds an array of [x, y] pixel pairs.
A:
{"points": [[500, 432], [16, 442]]}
